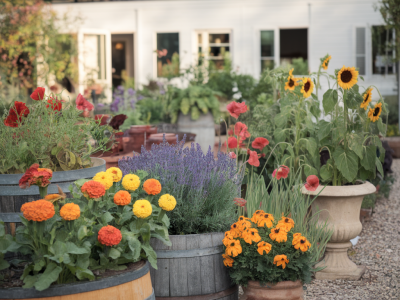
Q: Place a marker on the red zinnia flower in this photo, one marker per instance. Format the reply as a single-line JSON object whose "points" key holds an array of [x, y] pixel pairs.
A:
{"points": [[232, 142], [55, 104], [83, 104], [16, 113], [38, 94], [102, 119], [253, 159], [281, 172], [260, 143], [235, 109], [312, 183], [35, 176]]}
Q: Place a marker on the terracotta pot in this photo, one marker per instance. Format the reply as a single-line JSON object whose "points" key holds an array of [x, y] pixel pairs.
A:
{"points": [[118, 139], [158, 139], [394, 144], [138, 133], [285, 290], [340, 207]]}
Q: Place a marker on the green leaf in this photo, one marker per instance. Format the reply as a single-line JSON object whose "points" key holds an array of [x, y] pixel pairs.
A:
{"points": [[114, 253], [84, 274], [379, 166], [29, 281], [368, 162], [49, 276], [324, 129], [195, 113], [82, 232], [346, 162], [134, 245], [326, 173], [107, 217], [185, 106], [74, 249], [151, 255], [58, 249], [311, 145], [308, 170], [381, 127], [145, 232], [280, 120], [3, 263], [356, 144], [329, 100]]}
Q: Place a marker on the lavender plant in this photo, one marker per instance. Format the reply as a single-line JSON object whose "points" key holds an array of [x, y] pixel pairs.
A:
{"points": [[203, 187]]}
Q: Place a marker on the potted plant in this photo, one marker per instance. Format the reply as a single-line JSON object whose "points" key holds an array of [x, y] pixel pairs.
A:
{"points": [[51, 133], [107, 225], [195, 109], [354, 154]]}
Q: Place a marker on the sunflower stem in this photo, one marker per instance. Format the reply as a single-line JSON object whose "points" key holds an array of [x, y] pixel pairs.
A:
{"points": [[318, 86], [345, 116]]}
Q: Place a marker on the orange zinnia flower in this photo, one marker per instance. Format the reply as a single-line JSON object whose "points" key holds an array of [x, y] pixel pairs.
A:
{"points": [[152, 186], [296, 238], [257, 215], [234, 248], [228, 238], [281, 260], [228, 261], [122, 198], [38, 211], [236, 230], [93, 189], [109, 236], [302, 243], [70, 212]]}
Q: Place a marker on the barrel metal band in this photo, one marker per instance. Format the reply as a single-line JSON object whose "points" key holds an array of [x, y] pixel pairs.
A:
{"points": [[189, 253], [219, 295], [151, 297], [10, 217]]}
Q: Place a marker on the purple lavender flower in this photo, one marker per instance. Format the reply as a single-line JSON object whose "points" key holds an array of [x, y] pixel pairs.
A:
{"points": [[140, 97], [131, 92], [120, 88]]}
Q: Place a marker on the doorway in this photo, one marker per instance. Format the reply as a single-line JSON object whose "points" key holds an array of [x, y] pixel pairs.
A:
{"points": [[122, 59]]}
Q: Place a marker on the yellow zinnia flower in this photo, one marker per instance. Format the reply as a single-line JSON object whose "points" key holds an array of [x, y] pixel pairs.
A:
{"points": [[347, 77], [325, 63], [375, 112], [367, 98], [167, 202], [308, 87], [131, 182], [291, 84], [142, 209], [105, 179], [116, 173]]}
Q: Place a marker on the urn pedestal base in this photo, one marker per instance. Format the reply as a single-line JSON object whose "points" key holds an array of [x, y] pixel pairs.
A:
{"points": [[338, 265]]}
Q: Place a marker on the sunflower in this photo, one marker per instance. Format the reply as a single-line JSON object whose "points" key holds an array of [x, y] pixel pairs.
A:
{"points": [[375, 112], [234, 248], [308, 87], [263, 246], [228, 261], [251, 235], [281, 260], [291, 84], [303, 244], [347, 77], [325, 63], [278, 234], [265, 219], [256, 216], [367, 98], [285, 223]]}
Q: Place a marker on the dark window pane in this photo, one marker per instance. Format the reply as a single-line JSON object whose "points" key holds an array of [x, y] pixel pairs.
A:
{"points": [[293, 44], [167, 46], [382, 50], [267, 43], [218, 38], [218, 51]]}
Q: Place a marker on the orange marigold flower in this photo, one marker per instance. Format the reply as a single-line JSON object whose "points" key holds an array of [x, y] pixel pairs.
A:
{"points": [[38, 211], [234, 248], [281, 260], [251, 235], [278, 234], [93, 189], [152, 186], [263, 246], [109, 236], [236, 230], [228, 261], [122, 198], [302, 243], [256, 216], [227, 239], [296, 238], [265, 220], [285, 223], [70, 212]]}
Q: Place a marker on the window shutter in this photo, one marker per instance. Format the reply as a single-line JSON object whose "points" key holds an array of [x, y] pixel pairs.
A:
{"points": [[360, 49]]}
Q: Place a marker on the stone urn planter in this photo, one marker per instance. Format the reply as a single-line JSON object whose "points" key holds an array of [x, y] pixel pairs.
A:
{"points": [[340, 207], [285, 290], [202, 127]]}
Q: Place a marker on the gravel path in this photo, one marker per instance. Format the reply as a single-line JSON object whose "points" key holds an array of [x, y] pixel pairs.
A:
{"points": [[378, 248]]}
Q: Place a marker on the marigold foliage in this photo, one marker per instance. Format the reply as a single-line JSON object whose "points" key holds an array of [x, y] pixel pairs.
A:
{"points": [[105, 179], [152, 186], [70, 212], [142, 208], [93, 189], [109, 236], [131, 182], [38, 211], [167, 202]]}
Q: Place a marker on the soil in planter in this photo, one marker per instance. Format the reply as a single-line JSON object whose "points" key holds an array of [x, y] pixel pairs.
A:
{"points": [[10, 278]]}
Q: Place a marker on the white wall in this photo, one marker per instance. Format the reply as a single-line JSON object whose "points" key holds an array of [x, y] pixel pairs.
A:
{"points": [[331, 27]]}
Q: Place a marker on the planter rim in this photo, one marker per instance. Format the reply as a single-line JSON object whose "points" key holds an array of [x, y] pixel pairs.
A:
{"points": [[275, 286], [75, 288], [363, 189], [177, 235]]}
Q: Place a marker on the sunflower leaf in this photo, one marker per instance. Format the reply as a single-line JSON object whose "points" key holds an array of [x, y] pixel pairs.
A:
{"points": [[379, 166], [381, 127], [324, 129], [346, 162], [329, 100]]}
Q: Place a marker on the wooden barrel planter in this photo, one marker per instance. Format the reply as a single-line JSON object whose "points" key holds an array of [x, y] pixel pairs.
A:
{"points": [[192, 268], [12, 196], [134, 284]]}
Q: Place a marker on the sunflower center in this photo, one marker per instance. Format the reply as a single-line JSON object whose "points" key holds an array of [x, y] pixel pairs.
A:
{"points": [[327, 63], [307, 86], [291, 82], [346, 76], [376, 111]]}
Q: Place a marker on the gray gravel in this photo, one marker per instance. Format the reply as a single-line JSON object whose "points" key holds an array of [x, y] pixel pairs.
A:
{"points": [[378, 248]]}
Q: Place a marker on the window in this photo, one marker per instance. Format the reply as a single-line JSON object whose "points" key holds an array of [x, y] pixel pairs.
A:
{"points": [[293, 49], [267, 50], [360, 50], [214, 47], [382, 50], [94, 56], [167, 54]]}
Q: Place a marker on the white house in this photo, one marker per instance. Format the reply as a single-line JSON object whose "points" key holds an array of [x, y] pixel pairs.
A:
{"points": [[123, 35]]}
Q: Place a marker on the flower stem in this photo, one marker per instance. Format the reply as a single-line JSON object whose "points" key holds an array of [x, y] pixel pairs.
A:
{"points": [[43, 191], [161, 215]]}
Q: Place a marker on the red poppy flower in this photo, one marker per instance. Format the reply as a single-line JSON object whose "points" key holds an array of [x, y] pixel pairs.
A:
{"points": [[83, 104], [230, 132], [240, 202], [235, 109], [281, 172], [260, 143], [312, 183], [38, 94], [55, 104], [232, 155], [16, 113], [232, 142], [241, 130], [253, 159]]}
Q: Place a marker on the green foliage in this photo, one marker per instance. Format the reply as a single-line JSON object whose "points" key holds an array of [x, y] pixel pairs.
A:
{"points": [[59, 141], [300, 66]]}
